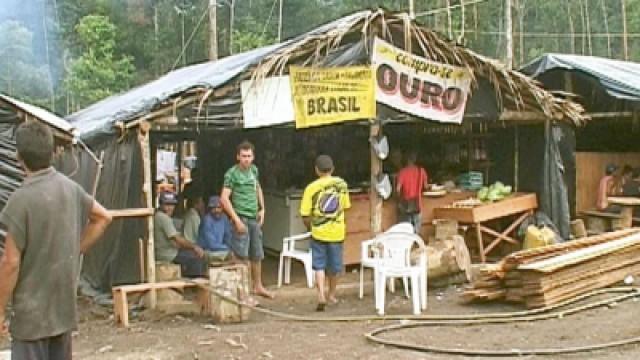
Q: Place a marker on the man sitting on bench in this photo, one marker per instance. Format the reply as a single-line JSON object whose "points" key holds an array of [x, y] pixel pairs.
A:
{"points": [[170, 245], [605, 189], [214, 235]]}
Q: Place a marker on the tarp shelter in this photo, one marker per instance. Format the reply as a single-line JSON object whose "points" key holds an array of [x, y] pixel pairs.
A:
{"points": [[205, 99], [609, 90], [12, 113]]}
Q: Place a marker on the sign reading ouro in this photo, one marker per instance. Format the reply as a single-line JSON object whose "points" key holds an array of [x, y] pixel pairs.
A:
{"points": [[418, 86]]}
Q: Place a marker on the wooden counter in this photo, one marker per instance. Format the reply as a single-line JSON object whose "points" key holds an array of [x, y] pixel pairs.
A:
{"points": [[358, 219]]}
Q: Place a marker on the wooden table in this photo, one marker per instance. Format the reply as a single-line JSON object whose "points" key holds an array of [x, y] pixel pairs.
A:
{"points": [[627, 204], [520, 203]]}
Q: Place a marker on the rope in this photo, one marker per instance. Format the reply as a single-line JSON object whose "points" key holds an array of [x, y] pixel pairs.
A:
{"points": [[543, 313]]}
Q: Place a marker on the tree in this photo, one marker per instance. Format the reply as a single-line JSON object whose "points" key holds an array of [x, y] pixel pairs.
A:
{"points": [[97, 72], [20, 77]]}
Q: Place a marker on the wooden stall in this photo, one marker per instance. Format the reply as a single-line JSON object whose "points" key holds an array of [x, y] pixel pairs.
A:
{"points": [[590, 169]]}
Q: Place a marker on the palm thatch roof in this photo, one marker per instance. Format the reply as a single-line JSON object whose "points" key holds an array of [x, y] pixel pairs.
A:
{"points": [[209, 93]]}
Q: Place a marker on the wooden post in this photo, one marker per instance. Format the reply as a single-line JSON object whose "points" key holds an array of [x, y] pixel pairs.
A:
{"points": [[376, 168], [516, 159], [145, 148], [280, 22]]}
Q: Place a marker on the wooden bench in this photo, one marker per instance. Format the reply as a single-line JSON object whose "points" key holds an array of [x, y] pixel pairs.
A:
{"points": [[599, 221], [121, 305]]}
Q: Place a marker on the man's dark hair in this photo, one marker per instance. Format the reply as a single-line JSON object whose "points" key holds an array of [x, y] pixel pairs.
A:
{"points": [[245, 145], [35, 145], [412, 157]]}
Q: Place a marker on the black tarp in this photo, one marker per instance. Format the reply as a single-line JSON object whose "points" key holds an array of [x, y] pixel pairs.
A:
{"points": [[115, 257], [602, 84]]}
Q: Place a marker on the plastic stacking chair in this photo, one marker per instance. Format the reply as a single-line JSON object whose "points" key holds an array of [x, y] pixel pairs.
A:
{"points": [[368, 258], [289, 252], [395, 262]]}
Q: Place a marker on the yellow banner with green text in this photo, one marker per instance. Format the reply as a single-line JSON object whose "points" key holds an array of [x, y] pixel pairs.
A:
{"points": [[324, 96]]}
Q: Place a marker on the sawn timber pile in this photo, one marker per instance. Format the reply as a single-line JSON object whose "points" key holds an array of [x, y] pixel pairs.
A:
{"points": [[551, 274]]}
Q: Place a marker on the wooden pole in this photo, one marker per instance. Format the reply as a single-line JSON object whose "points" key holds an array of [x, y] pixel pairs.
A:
{"points": [[213, 30], [508, 30], [232, 15], [516, 159], [625, 44], [145, 148], [376, 167], [606, 26], [586, 11]]}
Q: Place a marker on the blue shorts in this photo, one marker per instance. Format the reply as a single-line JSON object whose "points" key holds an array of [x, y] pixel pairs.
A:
{"points": [[326, 256], [249, 244]]}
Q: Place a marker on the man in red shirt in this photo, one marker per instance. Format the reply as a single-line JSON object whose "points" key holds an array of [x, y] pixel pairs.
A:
{"points": [[412, 179]]}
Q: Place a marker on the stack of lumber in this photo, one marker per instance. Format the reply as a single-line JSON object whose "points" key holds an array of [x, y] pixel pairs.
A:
{"points": [[552, 274]]}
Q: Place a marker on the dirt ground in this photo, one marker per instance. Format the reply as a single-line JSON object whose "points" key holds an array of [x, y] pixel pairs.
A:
{"points": [[153, 335]]}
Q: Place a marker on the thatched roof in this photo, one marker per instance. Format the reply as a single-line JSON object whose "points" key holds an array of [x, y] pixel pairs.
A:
{"points": [[209, 93]]}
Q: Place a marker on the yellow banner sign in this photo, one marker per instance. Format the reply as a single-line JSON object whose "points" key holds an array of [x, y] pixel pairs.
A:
{"points": [[330, 95]]}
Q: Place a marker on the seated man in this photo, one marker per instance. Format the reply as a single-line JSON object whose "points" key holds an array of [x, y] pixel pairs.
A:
{"points": [[605, 189], [215, 231], [172, 247], [195, 209]]}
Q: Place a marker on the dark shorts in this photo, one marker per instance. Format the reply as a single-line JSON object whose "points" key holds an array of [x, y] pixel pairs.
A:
{"points": [[51, 348], [326, 256], [191, 265], [249, 244]]}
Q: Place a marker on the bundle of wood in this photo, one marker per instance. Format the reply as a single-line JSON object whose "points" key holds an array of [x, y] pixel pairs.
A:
{"points": [[551, 274]]}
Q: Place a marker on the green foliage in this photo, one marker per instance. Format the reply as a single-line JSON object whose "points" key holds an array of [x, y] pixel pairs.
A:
{"points": [[20, 76], [97, 72]]}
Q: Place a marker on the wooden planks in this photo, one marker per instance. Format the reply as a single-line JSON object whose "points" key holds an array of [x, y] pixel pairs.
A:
{"points": [[548, 275]]}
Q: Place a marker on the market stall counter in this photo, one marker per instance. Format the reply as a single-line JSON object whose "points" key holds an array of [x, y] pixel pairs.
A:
{"points": [[478, 214], [283, 218]]}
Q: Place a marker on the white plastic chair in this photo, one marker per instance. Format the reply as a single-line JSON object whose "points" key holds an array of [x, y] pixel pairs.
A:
{"points": [[395, 262], [367, 260], [289, 252]]}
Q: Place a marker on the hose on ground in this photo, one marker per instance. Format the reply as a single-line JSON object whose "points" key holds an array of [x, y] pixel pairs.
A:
{"points": [[543, 313]]}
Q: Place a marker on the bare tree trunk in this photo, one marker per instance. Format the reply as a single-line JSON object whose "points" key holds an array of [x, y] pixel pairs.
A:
{"points": [[280, 22], [606, 26], [449, 21], [213, 30], [586, 11], [572, 31], [232, 13], [156, 38], [584, 26], [521, 14], [508, 30], [48, 60], [462, 20], [625, 44], [475, 20]]}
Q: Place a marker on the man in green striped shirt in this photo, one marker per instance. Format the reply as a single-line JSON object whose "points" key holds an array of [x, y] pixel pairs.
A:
{"points": [[243, 201]]}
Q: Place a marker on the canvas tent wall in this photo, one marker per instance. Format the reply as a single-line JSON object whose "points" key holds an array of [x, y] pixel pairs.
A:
{"points": [[12, 113], [206, 97]]}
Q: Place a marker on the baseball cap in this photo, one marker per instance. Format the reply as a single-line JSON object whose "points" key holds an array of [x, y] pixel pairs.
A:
{"points": [[214, 202], [324, 163], [168, 198], [611, 168]]}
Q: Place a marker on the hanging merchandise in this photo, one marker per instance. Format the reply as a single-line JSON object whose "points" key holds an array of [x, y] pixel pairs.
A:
{"points": [[380, 147], [383, 186]]}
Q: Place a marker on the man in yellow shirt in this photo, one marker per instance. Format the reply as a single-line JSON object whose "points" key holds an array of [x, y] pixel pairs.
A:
{"points": [[323, 205]]}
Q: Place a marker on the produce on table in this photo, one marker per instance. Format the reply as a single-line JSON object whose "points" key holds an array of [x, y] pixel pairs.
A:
{"points": [[495, 192]]}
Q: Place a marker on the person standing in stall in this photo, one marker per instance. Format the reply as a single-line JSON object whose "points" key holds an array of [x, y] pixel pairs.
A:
{"points": [[323, 204], [243, 201], [412, 179]]}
